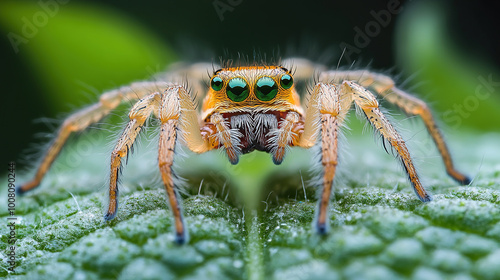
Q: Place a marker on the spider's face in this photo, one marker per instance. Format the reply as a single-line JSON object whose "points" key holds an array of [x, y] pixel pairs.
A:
{"points": [[251, 89]]}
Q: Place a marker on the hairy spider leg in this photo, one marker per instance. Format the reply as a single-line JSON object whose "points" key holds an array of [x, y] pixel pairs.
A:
{"points": [[80, 120], [138, 116], [385, 87], [366, 101], [326, 111], [177, 113], [328, 105]]}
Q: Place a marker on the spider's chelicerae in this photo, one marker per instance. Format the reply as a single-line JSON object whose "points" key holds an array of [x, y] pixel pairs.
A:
{"points": [[251, 108]]}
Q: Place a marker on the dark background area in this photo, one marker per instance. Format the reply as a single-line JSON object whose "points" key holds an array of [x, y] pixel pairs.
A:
{"points": [[194, 30]]}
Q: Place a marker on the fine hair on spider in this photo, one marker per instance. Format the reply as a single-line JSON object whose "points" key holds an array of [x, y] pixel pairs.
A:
{"points": [[247, 108]]}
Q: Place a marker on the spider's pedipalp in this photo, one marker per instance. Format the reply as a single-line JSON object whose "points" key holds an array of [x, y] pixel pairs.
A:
{"points": [[228, 137], [280, 138]]}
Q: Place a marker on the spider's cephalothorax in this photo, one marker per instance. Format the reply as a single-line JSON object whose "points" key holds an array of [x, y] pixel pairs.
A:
{"points": [[252, 104], [252, 108]]}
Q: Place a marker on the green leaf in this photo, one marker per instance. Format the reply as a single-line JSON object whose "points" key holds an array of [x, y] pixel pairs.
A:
{"points": [[465, 88], [252, 221]]}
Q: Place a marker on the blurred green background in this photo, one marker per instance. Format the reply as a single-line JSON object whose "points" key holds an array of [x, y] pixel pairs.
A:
{"points": [[58, 56]]}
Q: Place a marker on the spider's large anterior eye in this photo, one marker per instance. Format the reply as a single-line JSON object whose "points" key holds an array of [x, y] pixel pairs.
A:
{"points": [[266, 89], [237, 89], [286, 81], [216, 83]]}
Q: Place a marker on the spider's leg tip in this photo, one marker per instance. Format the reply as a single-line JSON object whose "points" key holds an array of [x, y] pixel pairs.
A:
{"points": [[426, 198], [19, 190], [460, 178], [465, 181], [321, 228], [26, 187], [180, 238], [109, 216]]}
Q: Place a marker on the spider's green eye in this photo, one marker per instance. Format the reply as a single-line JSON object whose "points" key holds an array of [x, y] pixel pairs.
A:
{"points": [[286, 81], [266, 89], [237, 89], [216, 83]]}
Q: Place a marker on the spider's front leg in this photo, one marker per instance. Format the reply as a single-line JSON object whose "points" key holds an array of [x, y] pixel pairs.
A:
{"points": [[325, 113], [176, 111]]}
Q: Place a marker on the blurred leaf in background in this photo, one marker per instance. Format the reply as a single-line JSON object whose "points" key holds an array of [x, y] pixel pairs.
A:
{"points": [[71, 45], [463, 88], [72, 52]]}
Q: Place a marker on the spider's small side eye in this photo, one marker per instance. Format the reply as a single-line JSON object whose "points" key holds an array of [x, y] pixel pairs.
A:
{"points": [[266, 89], [237, 89], [216, 83], [286, 81]]}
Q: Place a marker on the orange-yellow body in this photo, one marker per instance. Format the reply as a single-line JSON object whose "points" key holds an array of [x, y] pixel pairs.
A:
{"points": [[217, 101], [255, 121], [252, 108]]}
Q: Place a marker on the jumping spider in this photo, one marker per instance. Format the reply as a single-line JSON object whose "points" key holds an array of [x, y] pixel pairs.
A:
{"points": [[251, 108]]}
